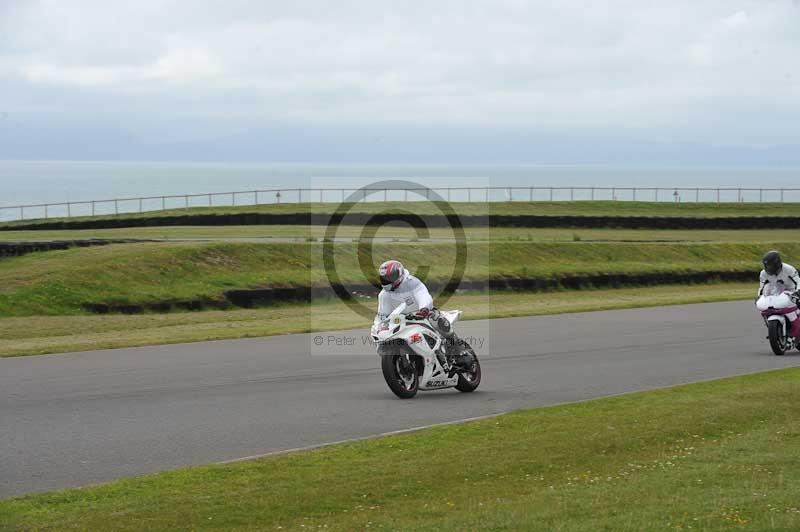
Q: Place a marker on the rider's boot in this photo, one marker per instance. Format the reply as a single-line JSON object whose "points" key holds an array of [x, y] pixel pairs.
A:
{"points": [[463, 360], [460, 359]]}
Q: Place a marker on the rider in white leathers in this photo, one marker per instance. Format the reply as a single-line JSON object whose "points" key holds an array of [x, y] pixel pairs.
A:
{"points": [[777, 276], [399, 286]]}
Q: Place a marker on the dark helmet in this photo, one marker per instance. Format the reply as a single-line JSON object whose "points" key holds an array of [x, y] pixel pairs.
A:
{"points": [[392, 274], [772, 262]]}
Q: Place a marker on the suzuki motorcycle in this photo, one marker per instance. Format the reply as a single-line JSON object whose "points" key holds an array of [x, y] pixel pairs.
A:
{"points": [[415, 356], [780, 316]]}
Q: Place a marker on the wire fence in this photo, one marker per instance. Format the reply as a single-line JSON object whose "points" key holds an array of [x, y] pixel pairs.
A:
{"points": [[184, 202]]}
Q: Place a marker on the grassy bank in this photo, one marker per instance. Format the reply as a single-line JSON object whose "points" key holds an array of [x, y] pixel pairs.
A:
{"points": [[62, 282], [303, 232], [56, 334], [710, 456], [511, 208]]}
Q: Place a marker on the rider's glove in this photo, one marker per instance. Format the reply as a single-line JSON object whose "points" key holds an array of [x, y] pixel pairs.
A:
{"points": [[422, 313]]}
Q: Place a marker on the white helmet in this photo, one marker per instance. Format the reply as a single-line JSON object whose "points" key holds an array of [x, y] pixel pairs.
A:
{"points": [[392, 274]]}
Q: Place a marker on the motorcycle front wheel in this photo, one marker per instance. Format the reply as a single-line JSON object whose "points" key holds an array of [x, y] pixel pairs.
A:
{"points": [[401, 375], [468, 381], [777, 340]]}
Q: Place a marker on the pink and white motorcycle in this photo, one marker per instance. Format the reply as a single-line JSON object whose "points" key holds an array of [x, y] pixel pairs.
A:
{"points": [[780, 315]]}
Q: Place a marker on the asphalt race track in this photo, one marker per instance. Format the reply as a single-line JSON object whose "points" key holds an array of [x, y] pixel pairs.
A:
{"points": [[81, 418]]}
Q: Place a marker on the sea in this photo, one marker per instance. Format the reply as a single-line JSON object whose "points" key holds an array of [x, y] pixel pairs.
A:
{"points": [[39, 182]]}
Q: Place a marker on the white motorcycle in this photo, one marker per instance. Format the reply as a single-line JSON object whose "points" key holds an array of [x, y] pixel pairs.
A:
{"points": [[415, 356], [779, 312]]}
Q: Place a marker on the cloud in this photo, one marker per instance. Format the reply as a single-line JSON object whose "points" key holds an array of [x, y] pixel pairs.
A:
{"points": [[182, 66], [736, 20], [708, 71]]}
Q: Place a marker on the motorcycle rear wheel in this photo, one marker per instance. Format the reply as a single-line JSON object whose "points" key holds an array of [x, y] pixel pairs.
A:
{"points": [[777, 340], [402, 379], [469, 381]]}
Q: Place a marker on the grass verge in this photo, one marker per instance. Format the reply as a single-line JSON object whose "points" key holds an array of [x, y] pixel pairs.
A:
{"points": [[62, 282], [56, 334], [718, 455]]}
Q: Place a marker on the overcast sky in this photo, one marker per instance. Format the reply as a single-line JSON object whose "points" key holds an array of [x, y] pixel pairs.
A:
{"points": [[439, 81]]}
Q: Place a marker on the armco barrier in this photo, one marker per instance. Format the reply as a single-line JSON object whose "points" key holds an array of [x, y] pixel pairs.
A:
{"points": [[13, 249], [361, 219], [265, 296], [248, 298]]}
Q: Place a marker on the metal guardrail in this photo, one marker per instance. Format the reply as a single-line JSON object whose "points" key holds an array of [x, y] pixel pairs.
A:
{"points": [[142, 204]]}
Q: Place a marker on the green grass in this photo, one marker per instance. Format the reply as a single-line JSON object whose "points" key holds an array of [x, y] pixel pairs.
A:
{"points": [[62, 282], [36, 335], [719, 455], [302, 232], [575, 208]]}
